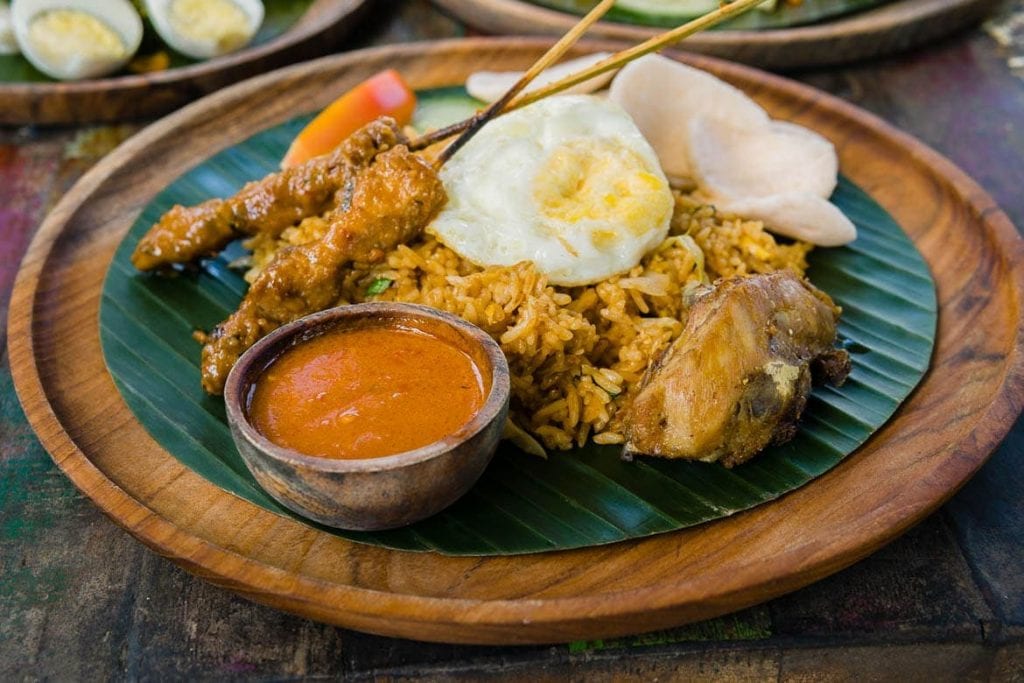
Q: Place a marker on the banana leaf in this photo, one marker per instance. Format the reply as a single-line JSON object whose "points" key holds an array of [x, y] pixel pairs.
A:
{"points": [[523, 504], [783, 15], [280, 16]]}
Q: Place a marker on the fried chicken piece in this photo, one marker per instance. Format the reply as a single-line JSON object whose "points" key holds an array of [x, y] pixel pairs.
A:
{"points": [[392, 201], [738, 377], [280, 200]]}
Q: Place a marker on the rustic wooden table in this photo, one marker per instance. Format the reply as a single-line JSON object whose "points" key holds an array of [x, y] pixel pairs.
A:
{"points": [[80, 599]]}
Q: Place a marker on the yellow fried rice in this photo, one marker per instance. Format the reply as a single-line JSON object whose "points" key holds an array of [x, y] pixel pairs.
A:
{"points": [[576, 354]]}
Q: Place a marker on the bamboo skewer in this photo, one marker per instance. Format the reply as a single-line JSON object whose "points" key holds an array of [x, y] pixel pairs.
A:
{"points": [[620, 59], [556, 51], [615, 61]]}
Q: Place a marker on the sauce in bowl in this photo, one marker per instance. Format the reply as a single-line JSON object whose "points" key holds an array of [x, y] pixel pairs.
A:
{"points": [[358, 393], [370, 416]]}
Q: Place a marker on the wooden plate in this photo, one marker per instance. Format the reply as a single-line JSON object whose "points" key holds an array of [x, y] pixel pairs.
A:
{"points": [[890, 28], [937, 439], [121, 98]]}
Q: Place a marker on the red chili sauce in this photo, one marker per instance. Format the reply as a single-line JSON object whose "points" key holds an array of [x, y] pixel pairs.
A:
{"points": [[366, 393]]}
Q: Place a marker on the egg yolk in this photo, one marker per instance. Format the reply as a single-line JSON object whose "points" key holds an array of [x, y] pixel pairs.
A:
{"points": [[63, 33], [218, 21], [603, 181]]}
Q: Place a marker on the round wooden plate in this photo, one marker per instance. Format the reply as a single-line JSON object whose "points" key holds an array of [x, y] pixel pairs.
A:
{"points": [[122, 98], [893, 27], [937, 439]]}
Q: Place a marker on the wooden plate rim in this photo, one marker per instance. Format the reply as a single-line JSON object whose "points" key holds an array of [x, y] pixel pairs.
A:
{"points": [[351, 605], [335, 11]]}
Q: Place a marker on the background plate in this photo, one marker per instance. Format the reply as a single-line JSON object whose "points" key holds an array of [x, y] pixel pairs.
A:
{"points": [[895, 26], [28, 97], [796, 14], [936, 440]]}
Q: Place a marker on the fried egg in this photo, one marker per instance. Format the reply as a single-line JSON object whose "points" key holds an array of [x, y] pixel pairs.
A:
{"points": [[568, 183]]}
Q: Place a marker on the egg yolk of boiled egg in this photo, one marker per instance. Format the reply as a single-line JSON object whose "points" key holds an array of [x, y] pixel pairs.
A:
{"points": [[64, 34], [568, 183]]}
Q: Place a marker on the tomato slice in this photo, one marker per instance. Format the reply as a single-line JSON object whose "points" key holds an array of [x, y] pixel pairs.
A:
{"points": [[384, 94]]}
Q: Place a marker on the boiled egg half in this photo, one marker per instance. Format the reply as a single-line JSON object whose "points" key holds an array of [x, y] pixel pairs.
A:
{"points": [[202, 29], [73, 39], [8, 42], [568, 183]]}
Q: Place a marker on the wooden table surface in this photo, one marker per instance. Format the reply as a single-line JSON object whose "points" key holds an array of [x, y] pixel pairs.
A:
{"points": [[80, 599]]}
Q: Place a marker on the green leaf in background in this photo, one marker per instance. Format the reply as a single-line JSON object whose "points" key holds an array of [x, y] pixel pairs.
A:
{"points": [[280, 16], [522, 504], [676, 12]]}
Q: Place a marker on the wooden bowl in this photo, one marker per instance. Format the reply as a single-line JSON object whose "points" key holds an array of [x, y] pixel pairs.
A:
{"points": [[374, 493]]}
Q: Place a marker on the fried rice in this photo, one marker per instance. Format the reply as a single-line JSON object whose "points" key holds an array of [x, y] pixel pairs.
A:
{"points": [[576, 354]]}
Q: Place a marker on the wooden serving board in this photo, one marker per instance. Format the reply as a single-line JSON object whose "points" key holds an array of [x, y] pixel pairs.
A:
{"points": [[891, 28], [121, 98], [935, 442]]}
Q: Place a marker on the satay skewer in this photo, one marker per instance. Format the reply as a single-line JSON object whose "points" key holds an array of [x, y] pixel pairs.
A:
{"points": [[211, 225], [381, 214], [615, 61]]}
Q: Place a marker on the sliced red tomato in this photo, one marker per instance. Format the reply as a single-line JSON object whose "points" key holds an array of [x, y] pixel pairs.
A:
{"points": [[384, 94]]}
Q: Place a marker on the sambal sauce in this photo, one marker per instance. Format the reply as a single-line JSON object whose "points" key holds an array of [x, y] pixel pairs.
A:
{"points": [[366, 393]]}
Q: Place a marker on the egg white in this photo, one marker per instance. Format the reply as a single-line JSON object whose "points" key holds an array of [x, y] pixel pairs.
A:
{"points": [[568, 183]]}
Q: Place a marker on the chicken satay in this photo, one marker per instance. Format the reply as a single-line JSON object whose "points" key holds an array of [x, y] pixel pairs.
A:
{"points": [[270, 205], [738, 377], [392, 201]]}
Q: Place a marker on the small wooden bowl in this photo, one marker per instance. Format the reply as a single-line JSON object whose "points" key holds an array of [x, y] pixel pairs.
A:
{"points": [[376, 493]]}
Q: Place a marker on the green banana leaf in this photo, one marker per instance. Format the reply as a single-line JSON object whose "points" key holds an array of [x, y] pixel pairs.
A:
{"points": [[280, 16], [782, 16], [523, 504]]}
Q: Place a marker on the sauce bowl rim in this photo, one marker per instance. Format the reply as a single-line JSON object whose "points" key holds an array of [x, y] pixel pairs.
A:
{"points": [[254, 362]]}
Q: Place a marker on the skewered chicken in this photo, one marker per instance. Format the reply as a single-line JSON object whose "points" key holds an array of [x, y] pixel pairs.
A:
{"points": [[280, 200], [738, 377], [392, 201]]}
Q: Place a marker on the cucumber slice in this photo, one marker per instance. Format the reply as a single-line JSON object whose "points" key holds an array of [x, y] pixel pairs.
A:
{"points": [[438, 108], [668, 8], [681, 8]]}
